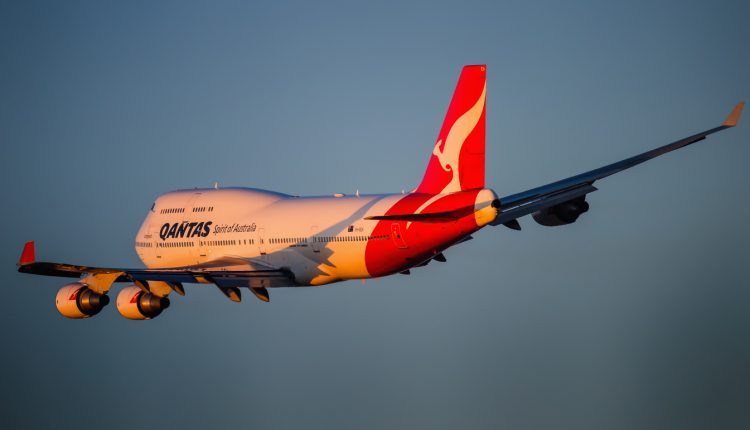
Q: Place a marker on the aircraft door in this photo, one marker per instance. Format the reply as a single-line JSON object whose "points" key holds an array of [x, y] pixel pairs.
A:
{"points": [[154, 251], [397, 237], [203, 252], [313, 239], [200, 250], [262, 241]]}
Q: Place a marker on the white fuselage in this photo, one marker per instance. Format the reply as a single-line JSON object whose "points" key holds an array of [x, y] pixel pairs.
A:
{"points": [[319, 239]]}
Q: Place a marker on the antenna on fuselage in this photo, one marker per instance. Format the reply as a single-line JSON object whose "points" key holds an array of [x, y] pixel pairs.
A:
{"points": [[216, 185]]}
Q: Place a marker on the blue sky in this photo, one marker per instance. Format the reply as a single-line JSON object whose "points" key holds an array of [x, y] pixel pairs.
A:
{"points": [[634, 317]]}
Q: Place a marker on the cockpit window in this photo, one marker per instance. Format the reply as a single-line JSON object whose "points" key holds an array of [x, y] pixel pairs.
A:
{"points": [[153, 205]]}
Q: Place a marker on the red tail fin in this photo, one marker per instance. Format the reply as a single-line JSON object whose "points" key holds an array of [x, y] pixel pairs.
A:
{"points": [[457, 161]]}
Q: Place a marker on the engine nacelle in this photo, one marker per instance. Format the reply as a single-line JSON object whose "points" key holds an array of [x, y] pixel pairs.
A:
{"points": [[134, 304], [563, 213], [78, 301]]}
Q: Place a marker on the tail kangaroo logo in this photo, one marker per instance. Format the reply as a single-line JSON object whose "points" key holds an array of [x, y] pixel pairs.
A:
{"points": [[457, 159], [448, 156]]}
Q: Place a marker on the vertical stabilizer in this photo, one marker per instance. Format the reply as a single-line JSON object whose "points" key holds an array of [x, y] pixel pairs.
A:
{"points": [[457, 160]]}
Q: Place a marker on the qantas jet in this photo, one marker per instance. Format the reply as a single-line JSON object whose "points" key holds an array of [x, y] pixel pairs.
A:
{"points": [[237, 238]]}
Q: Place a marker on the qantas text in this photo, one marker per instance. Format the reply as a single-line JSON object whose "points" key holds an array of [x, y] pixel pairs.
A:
{"points": [[185, 229]]}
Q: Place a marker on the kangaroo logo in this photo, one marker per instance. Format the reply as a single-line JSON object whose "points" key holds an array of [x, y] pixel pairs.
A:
{"points": [[448, 156]]}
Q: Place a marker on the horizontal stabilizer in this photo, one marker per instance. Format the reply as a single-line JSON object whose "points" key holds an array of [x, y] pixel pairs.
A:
{"points": [[431, 217]]}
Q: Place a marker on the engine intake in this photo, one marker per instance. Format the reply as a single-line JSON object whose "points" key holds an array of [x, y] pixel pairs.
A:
{"points": [[133, 303], [78, 301], [563, 213]]}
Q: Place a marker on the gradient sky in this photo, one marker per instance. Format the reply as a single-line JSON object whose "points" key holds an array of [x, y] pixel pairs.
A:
{"points": [[634, 317]]}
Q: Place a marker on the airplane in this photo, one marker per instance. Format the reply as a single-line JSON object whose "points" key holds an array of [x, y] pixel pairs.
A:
{"points": [[250, 238]]}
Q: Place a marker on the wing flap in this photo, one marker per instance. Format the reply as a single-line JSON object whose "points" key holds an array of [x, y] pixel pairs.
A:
{"points": [[260, 279]]}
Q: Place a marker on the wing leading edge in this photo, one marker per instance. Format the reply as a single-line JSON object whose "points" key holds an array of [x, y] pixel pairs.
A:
{"points": [[239, 278], [517, 205]]}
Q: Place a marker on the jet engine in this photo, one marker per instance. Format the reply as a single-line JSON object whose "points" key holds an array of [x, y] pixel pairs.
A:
{"points": [[135, 304], [78, 301], [563, 213]]}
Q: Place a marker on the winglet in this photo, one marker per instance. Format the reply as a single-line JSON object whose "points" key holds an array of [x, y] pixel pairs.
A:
{"points": [[27, 256], [734, 117]]}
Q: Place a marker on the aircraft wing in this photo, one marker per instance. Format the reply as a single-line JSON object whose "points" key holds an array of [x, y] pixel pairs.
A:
{"points": [[223, 278], [547, 196]]}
